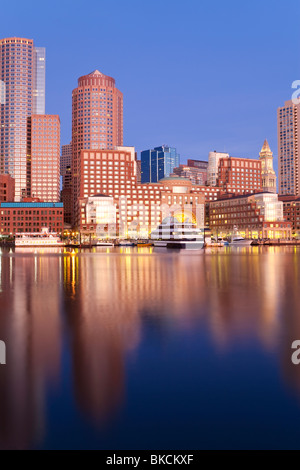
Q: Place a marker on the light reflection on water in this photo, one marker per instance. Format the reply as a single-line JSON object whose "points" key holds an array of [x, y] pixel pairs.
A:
{"points": [[80, 328]]}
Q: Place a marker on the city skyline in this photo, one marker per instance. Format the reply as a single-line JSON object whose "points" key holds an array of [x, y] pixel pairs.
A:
{"points": [[203, 108]]}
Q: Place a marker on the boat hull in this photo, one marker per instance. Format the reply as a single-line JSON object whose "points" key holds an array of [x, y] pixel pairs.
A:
{"points": [[180, 244], [241, 243], [37, 245]]}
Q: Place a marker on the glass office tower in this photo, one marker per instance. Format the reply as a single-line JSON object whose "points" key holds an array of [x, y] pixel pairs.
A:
{"points": [[40, 80], [158, 163]]}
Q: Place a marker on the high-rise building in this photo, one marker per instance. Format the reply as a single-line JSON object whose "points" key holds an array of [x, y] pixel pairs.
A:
{"points": [[39, 64], [267, 171], [213, 165], [139, 171], [66, 158], [22, 73], [66, 195], [43, 156], [288, 128], [158, 163], [97, 120], [194, 170]]}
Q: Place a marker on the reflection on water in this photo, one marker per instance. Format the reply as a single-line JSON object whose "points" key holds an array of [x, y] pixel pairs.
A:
{"points": [[97, 307]]}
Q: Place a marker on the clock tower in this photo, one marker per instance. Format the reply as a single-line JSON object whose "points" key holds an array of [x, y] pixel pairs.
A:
{"points": [[267, 171]]}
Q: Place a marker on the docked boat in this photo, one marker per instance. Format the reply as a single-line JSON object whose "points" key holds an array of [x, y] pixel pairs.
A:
{"points": [[215, 242], [177, 235], [42, 239], [99, 243], [240, 241], [124, 243], [141, 244]]}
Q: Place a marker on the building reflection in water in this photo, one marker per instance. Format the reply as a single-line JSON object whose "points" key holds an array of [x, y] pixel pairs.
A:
{"points": [[30, 327], [104, 301], [244, 293]]}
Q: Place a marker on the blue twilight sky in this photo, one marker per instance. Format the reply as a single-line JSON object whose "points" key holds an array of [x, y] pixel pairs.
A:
{"points": [[197, 75]]}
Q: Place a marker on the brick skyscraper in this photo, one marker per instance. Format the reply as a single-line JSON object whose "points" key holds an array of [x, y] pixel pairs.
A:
{"points": [[43, 156], [288, 122], [97, 120], [22, 73]]}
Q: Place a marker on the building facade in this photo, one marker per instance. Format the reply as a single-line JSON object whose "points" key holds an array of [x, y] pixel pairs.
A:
{"points": [[113, 173], [267, 171], [22, 73], [66, 195], [194, 170], [97, 120], [239, 175], [213, 166], [291, 212], [31, 217], [99, 214], [43, 157], [139, 171], [253, 216], [288, 128], [7, 188], [65, 158], [158, 163]]}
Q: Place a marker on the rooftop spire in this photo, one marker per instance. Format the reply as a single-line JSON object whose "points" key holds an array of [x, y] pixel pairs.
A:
{"points": [[266, 149], [96, 72]]}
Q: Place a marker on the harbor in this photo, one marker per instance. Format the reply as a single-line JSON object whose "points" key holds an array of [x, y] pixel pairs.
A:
{"points": [[126, 326]]}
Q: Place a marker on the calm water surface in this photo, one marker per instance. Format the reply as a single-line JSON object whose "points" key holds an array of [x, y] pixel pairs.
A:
{"points": [[143, 349]]}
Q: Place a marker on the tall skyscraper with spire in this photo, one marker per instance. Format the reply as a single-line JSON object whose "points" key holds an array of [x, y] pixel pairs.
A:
{"points": [[97, 120], [22, 76], [267, 171]]}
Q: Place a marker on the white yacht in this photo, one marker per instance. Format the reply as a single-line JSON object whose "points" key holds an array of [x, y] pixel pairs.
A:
{"points": [[237, 240], [240, 241], [174, 234], [43, 239]]}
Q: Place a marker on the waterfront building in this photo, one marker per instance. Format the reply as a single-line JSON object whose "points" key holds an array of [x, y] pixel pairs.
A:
{"points": [[43, 157], [239, 175], [158, 163], [65, 158], [213, 166], [22, 73], [267, 171], [7, 188], [113, 173], [254, 216], [97, 121], [194, 170], [31, 217], [99, 213], [288, 128], [291, 212]]}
